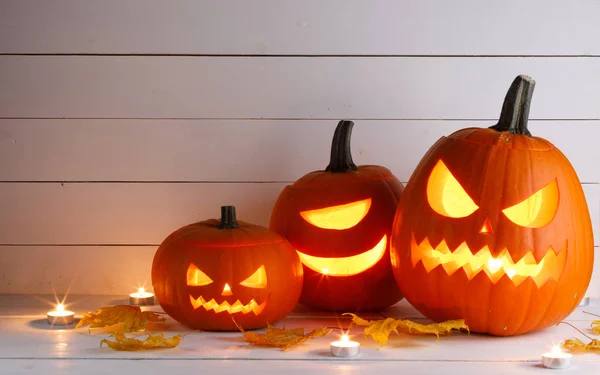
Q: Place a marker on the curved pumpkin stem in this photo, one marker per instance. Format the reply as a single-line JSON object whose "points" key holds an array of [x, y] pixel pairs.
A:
{"points": [[228, 219], [515, 110], [341, 157]]}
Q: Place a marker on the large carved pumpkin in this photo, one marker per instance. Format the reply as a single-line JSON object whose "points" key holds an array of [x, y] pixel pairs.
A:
{"points": [[210, 273], [493, 227], [339, 220]]}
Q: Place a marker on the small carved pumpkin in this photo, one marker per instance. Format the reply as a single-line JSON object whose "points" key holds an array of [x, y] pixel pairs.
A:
{"points": [[339, 221], [207, 273], [493, 227]]}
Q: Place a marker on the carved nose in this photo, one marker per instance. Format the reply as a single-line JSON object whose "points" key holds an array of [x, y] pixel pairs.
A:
{"points": [[487, 227], [226, 290]]}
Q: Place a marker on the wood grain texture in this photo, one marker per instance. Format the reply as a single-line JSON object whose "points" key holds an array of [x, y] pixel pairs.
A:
{"points": [[139, 213], [257, 150], [313, 27], [284, 88], [109, 270]]}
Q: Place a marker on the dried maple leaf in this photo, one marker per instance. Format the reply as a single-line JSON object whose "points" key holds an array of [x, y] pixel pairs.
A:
{"points": [[380, 330], [283, 338], [157, 341], [124, 318], [578, 345]]}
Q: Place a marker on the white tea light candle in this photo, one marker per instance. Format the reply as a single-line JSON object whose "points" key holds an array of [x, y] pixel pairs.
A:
{"points": [[345, 347], [556, 359], [60, 316], [141, 297]]}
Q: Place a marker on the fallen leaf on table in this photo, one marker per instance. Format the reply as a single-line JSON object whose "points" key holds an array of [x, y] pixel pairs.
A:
{"points": [[283, 338], [380, 330], [157, 341], [124, 318], [596, 327], [578, 345]]}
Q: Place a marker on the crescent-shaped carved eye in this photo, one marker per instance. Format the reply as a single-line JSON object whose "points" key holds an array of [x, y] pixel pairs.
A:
{"points": [[537, 210], [257, 280], [445, 194], [340, 217], [195, 277]]}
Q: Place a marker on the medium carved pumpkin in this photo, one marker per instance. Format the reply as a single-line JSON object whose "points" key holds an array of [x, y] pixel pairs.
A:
{"points": [[339, 221], [493, 227], [209, 273]]}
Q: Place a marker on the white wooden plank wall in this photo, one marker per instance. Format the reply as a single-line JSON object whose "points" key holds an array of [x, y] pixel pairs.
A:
{"points": [[121, 120]]}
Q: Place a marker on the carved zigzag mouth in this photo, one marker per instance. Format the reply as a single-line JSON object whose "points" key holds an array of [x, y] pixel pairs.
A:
{"points": [[550, 266], [236, 307]]}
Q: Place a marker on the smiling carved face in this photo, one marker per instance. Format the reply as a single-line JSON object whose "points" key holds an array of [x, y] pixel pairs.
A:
{"points": [[339, 222]]}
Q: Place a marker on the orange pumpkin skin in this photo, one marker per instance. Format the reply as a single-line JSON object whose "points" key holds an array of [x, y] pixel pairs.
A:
{"points": [[226, 256], [497, 167], [373, 288]]}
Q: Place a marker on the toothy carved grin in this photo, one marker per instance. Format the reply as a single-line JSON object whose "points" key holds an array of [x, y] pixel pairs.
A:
{"points": [[550, 266], [236, 307]]}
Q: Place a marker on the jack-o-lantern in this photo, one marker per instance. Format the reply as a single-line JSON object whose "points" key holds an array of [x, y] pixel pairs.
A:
{"points": [[208, 274], [339, 221], [493, 227]]}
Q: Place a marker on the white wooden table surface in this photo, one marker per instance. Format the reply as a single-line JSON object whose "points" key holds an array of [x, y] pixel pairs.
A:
{"points": [[29, 345]]}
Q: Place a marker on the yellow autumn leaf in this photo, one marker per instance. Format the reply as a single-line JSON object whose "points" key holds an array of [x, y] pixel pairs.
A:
{"points": [[157, 341], [119, 318], [596, 327], [283, 338], [380, 330], [578, 345]]}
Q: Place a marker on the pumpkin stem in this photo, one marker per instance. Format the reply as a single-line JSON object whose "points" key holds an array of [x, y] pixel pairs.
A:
{"points": [[515, 110], [228, 220], [341, 157]]}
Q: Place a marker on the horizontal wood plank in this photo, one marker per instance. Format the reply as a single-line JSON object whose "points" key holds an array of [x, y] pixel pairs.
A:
{"points": [[248, 150], [107, 270], [339, 27], [43, 341], [283, 366], [138, 213], [290, 88]]}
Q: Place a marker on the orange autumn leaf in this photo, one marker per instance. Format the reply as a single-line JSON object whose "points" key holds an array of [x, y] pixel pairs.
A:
{"points": [[283, 338], [124, 318], [380, 330], [158, 341]]}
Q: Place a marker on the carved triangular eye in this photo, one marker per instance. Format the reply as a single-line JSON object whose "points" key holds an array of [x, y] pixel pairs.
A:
{"points": [[195, 277], [445, 194], [257, 280], [537, 210], [340, 217]]}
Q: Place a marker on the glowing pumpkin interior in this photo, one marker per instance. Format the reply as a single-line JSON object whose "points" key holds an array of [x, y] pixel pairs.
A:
{"points": [[342, 217], [447, 197], [197, 278]]}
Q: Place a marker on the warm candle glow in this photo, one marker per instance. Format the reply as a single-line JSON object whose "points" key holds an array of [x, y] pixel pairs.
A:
{"points": [[345, 347], [60, 307], [141, 291], [325, 271], [345, 339]]}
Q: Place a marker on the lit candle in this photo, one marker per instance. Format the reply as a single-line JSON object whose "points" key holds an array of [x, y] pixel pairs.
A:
{"points": [[141, 297], [345, 347], [556, 359], [60, 316]]}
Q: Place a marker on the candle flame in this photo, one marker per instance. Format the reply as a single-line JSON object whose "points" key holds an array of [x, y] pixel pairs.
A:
{"points": [[60, 307], [556, 349], [141, 290], [345, 338], [325, 271]]}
